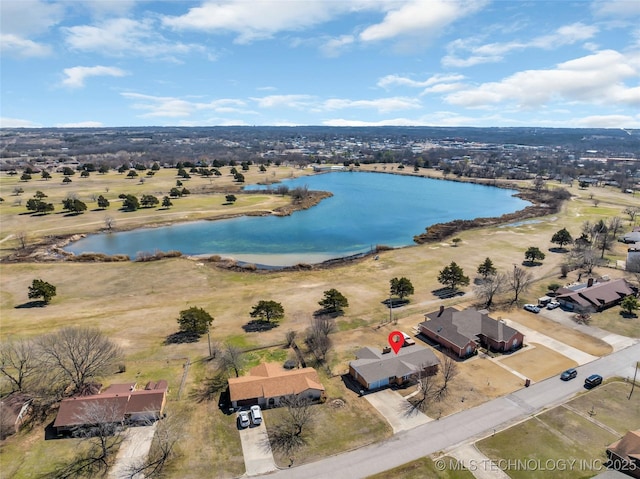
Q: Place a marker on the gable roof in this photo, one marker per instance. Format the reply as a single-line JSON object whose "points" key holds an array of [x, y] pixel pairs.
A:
{"points": [[271, 380], [374, 365], [461, 327], [118, 400], [599, 294], [628, 446]]}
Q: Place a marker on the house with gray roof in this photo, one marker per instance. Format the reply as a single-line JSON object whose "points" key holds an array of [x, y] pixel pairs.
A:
{"points": [[374, 369], [462, 332]]}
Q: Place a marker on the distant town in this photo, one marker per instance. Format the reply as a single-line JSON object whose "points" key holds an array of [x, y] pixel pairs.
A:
{"points": [[608, 157]]}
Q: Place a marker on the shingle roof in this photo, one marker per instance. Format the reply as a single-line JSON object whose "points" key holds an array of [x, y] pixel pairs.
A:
{"points": [[118, 400], [460, 327], [373, 365], [600, 294], [628, 446], [271, 380]]}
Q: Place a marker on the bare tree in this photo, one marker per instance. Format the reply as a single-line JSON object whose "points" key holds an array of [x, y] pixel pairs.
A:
{"points": [[109, 222], [427, 389], [318, 339], [291, 434], [232, 358], [632, 211], [448, 370], [22, 238], [615, 226], [78, 355], [519, 280], [489, 287], [163, 448], [17, 362]]}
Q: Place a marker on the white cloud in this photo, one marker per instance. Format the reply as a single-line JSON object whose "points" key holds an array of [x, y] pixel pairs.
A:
{"points": [[77, 75], [15, 45], [255, 20], [622, 9], [419, 17], [596, 79], [80, 124], [290, 101], [29, 17], [17, 123], [382, 105], [392, 80], [335, 46], [172, 107], [609, 121], [495, 52], [117, 37]]}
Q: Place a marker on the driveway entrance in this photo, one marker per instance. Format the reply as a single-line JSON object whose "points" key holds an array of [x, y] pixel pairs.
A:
{"points": [[396, 410]]}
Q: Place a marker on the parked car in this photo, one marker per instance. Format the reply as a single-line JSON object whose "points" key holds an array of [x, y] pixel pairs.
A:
{"points": [[243, 419], [568, 374], [592, 381], [532, 308], [256, 415], [553, 305]]}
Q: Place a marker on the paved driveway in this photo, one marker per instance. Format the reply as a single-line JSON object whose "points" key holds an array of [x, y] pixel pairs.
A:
{"points": [[616, 341], [532, 336], [258, 458], [133, 450], [396, 410]]}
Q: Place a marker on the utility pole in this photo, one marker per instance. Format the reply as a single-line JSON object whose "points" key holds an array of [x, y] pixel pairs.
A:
{"points": [[633, 384]]}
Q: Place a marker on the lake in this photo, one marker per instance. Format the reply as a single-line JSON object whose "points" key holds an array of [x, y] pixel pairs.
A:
{"points": [[366, 209]]}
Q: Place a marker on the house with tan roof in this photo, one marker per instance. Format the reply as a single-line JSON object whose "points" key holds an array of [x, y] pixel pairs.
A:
{"points": [[594, 296], [374, 369], [462, 332], [624, 454], [268, 383], [118, 404]]}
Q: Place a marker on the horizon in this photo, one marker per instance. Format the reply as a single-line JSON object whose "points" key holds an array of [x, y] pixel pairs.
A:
{"points": [[304, 63]]}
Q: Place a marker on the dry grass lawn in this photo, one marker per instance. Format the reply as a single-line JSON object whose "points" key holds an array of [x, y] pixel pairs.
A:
{"points": [[137, 304], [537, 362], [561, 435]]}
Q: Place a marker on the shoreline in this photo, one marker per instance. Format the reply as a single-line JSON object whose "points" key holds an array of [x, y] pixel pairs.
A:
{"points": [[543, 203]]}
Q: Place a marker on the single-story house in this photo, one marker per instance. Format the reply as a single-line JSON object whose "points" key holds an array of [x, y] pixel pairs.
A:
{"points": [[268, 383], [631, 237], [462, 332], [624, 454], [633, 260], [375, 369], [118, 404], [594, 296]]}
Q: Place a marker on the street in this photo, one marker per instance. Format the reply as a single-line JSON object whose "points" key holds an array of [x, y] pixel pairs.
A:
{"points": [[464, 427]]}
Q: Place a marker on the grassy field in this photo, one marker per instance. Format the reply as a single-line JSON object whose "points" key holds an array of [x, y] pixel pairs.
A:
{"points": [[423, 468], [565, 434], [137, 304]]}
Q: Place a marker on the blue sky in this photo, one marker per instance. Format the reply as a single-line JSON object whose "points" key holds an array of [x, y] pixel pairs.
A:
{"points": [[477, 63]]}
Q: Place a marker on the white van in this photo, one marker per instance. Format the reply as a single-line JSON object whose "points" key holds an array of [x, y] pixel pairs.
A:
{"points": [[256, 415]]}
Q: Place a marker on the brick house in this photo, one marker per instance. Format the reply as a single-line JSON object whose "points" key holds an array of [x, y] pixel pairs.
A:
{"points": [[268, 383], [594, 296], [624, 454], [121, 404], [462, 332]]}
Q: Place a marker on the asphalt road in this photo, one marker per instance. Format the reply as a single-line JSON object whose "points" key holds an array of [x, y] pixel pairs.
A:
{"points": [[464, 427]]}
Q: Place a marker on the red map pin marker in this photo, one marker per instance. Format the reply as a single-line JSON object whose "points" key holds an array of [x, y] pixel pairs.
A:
{"points": [[396, 340]]}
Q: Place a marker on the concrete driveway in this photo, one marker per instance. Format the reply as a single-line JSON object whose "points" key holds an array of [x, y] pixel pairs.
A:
{"points": [[532, 336], [258, 457], [616, 341], [133, 450], [396, 410]]}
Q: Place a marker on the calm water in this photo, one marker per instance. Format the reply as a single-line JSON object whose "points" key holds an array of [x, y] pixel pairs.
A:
{"points": [[367, 209]]}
